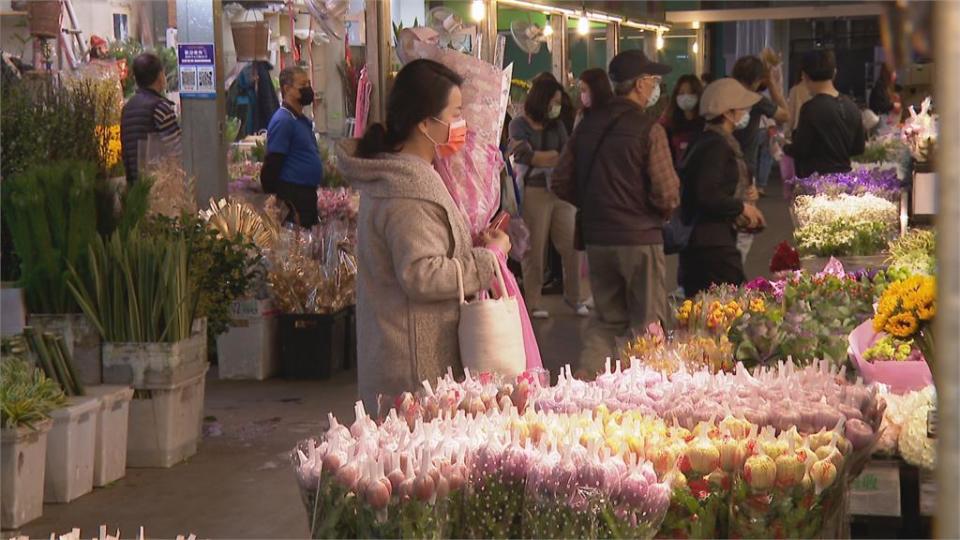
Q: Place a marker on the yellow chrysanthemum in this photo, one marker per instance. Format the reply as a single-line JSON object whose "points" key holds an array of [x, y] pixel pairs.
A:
{"points": [[757, 305]]}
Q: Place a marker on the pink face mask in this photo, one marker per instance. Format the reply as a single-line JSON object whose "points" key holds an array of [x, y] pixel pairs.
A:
{"points": [[585, 99], [456, 138]]}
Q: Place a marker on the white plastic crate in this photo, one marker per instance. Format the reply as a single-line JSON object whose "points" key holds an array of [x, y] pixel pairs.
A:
{"points": [[70, 450], [248, 350], [156, 365], [23, 461], [165, 423], [110, 457]]}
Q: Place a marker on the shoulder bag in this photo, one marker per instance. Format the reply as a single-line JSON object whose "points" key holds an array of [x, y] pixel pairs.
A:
{"points": [[491, 338]]}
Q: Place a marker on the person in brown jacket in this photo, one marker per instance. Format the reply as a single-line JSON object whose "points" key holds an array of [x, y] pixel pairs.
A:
{"points": [[409, 234], [618, 171]]}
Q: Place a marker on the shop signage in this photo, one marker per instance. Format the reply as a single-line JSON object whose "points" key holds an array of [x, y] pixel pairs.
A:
{"points": [[197, 70]]}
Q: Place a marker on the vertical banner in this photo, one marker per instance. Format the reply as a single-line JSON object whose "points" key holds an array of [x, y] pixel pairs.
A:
{"points": [[196, 67]]}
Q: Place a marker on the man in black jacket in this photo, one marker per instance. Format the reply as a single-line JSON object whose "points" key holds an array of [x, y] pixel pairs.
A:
{"points": [[618, 171], [830, 129], [148, 113]]}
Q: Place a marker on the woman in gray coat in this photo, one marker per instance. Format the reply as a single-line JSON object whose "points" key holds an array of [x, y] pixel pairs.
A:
{"points": [[409, 233]]}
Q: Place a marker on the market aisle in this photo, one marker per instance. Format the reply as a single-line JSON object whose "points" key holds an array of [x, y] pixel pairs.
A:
{"points": [[559, 337], [240, 484]]}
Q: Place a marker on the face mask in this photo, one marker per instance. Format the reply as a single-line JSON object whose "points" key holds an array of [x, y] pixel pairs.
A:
{"points": [[686, 102], [743, 121], [456, 138], [554, 112], [306, 95], [654, 97], [585, 99]]}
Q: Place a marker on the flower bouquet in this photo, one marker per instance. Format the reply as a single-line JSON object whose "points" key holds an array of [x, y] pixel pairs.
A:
{"points": [[785, 258], [844, 225], [788, 487], [913, 253], [700, 487], [900, 411], [679, 351], [920, 132], [880, 182], [906, 311]]}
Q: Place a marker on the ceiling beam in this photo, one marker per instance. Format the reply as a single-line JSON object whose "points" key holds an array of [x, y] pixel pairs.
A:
{"points": [[850, 9]]}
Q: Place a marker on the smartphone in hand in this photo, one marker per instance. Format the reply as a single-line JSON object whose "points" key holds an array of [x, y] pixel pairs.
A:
{"points": [[501, 221]]}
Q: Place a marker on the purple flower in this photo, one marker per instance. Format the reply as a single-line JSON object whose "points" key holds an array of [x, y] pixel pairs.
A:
{"points": [[760, 284], [880, 182]]}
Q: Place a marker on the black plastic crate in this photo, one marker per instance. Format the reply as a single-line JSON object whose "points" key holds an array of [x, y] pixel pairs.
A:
{"points": [[312, 346]]}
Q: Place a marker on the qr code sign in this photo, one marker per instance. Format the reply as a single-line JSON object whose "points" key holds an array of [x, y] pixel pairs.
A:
{"points": [[188, 79], [205, 80]]}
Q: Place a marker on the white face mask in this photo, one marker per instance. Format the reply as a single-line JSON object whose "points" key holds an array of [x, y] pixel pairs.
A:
{"points": [[554, 112], [687, 102], [654, 97], [743, 121]]}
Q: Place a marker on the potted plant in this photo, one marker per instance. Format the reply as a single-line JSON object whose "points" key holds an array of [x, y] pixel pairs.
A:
{"points": [[140, 295], [51, 214], [27, 398], [58, 143]]}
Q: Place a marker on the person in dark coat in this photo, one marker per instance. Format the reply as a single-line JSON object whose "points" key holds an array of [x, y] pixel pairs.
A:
{"points": [[715, 178]]}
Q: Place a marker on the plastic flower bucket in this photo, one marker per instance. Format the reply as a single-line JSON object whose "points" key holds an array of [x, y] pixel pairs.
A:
{"points": [[901, 377]]}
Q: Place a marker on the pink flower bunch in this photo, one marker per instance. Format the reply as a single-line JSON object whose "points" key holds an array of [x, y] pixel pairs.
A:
{"points": [[474, 464], [338, 204], [782, 396]]}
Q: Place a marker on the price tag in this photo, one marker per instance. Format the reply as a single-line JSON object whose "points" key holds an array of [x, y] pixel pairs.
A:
{"points": [[876, 492], [932, 422]]}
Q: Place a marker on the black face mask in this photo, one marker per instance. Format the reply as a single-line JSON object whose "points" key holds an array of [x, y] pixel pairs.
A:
{"points": [[306, 96]]}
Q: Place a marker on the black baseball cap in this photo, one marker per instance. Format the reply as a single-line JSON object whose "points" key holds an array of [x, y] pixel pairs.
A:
{"points": [[632, 64]]}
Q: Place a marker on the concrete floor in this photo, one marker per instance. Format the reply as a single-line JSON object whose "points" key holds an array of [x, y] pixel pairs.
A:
{"points": [[241, 485]]}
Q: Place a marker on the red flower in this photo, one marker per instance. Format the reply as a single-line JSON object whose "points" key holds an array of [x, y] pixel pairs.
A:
{"points": [[700, 489], [785, 258]]}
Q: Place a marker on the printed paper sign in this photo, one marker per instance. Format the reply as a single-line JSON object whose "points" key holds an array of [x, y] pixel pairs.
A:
{"points": [[197, 70], [876, 492]]}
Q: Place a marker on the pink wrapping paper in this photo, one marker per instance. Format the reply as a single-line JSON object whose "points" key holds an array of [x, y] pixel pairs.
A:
{"points": [[901, 377], [472, 176]]}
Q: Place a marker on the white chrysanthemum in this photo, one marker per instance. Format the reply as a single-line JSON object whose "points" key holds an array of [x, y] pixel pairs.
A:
{"points": [[915, 447]]}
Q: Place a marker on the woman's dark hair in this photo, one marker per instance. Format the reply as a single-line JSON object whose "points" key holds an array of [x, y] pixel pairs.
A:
{"points": [[748, 70], [674, 113], [819, 65], [538, 99], [420, 91], [598, 82], [146, 69]]}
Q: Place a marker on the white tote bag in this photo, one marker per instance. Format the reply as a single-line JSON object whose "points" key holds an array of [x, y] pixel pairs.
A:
{"points": [[491, 338]]}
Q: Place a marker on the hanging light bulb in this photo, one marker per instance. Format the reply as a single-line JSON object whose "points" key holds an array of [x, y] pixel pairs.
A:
{"points": [[696, 48], [547, 30], [696, 25], [478, 10], [583, 25], [659, 41]]}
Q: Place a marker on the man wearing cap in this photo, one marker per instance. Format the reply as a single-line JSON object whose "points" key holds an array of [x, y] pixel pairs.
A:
{"points": [[716, 176], [618, 171]]}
